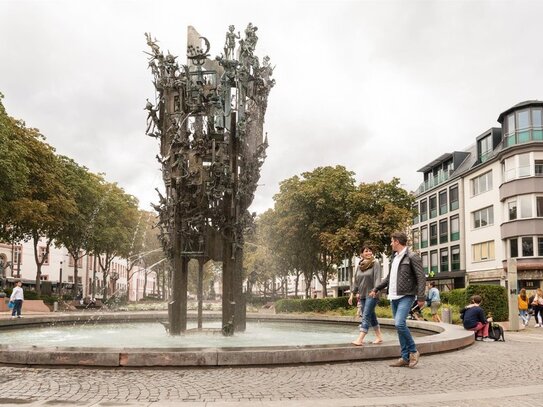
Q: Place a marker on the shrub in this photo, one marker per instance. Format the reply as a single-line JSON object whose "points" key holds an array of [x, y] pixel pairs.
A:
{"points": [[31, 295], [494, 302], [311, 304], [454, 297]]}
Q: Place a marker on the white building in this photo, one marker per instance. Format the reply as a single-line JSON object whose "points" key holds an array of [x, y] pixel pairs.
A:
{"points": [[18, 263], [498, 186]]}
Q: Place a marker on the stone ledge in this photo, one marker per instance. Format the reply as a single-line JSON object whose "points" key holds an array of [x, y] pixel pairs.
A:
{"points": [[445, 337]]}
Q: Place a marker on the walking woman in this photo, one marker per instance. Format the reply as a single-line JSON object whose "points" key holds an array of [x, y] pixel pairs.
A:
{"points": [[523, 307], [537, 306], [368, 275]]}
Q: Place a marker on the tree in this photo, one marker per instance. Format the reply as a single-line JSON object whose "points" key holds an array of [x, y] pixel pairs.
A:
{"points": [[316, 207], [14, 169], [76, 229], [115, 226], [45, 202], [379, 209]]}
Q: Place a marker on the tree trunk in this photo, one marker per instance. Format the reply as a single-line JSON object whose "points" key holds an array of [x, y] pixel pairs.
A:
{"points": [[75, 289], [38, 264]]}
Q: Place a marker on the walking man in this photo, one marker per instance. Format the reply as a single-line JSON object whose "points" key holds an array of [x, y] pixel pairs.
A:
{"points": [[17, 297], [406, 281]]}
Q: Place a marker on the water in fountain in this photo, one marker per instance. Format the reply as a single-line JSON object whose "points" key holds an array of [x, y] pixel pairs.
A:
{"points": [[152, 334]]}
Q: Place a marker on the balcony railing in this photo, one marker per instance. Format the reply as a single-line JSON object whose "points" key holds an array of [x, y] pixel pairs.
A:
{"points": [[433, 181]]}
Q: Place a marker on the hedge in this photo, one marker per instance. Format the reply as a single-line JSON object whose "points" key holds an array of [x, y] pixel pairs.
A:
{"points": [[494, 302], [494, 299], [311, 304]]}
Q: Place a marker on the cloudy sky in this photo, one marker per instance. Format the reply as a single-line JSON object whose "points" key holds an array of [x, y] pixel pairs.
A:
{"points": [[381, 87]]}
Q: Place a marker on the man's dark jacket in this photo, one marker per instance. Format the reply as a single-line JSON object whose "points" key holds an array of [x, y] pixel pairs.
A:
{"points": [[411, 279]]}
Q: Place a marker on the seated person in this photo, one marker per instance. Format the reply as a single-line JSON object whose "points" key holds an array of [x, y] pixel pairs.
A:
{"points": [[474, 319]]}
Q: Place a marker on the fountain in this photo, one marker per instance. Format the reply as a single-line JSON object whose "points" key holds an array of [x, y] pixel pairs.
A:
{"points": [[208, 116], [289, 339]]}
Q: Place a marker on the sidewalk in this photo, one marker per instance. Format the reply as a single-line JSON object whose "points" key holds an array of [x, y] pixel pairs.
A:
{"points": [[484, 374]]}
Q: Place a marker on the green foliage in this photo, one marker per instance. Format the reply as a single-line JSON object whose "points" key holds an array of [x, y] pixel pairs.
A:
{"points": [[494, 302], [311, 304], [31, 295], [454, 297]]}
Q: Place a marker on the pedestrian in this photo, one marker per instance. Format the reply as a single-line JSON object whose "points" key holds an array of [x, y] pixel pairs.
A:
{"points": [[474, 319], [368, 275], [17, 297], [434, 300], [406, 282], [523, 307], [537, 305]]}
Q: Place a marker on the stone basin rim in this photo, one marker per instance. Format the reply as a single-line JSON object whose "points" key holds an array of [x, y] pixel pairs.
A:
{"points": [[446, 337]]}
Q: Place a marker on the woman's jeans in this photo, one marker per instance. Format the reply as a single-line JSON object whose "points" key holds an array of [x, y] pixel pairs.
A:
{"points": [[523, 313], [17, 308], [400, 311], [368, 314]]}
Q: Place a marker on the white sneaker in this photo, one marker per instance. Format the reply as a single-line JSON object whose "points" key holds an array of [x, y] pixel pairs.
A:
{"points": [[537, 326], [487, 339]]}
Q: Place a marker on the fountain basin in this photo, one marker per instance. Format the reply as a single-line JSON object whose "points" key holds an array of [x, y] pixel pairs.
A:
{"points": [[436, 338]]}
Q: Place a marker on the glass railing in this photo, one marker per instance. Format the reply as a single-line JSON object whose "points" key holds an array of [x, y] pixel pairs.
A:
{"points": [[433, 181]]}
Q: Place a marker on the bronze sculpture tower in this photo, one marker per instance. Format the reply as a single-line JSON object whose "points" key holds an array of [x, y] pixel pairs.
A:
{"points": [[208, 116]]}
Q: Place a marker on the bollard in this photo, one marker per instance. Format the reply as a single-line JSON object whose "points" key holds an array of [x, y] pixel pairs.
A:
{"points": [[446, 315], [55, 306]]}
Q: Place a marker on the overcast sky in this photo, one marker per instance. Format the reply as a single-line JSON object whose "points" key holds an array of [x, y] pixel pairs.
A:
{"points": [[381, 87]]}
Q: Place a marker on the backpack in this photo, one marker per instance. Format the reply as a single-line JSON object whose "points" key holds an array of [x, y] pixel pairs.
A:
{"points": [[495, 331]]}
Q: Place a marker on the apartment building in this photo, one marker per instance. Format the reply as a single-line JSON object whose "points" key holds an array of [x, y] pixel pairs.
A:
{"points": [[478, 207]]}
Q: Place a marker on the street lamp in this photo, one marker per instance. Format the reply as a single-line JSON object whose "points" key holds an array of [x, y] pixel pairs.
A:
{"points": [[60, 281]]}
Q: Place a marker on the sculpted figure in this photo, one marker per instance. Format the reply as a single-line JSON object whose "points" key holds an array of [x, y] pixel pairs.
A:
{"points": [[230, 42]]}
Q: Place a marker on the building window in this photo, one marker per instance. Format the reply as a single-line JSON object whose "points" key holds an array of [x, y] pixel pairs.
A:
{"points": [[433, 234], [453, 197], [484, 147], [415, 214], [528, 127], [512, 209], [44, 277], [424, 237], [444, 261], [455, 258], [540, 246], [482, 183], [79, 261], [524, 168], [17, 255], [416, 239], [525, 206], [43, 255], [455, 228], [443, 202], [423, 210], [539, 206], [483, 217], [513, 248], [483, 251], [538, 167], [433, 206], [424, 258], [434, 267], [443, 231], [527, 246]]}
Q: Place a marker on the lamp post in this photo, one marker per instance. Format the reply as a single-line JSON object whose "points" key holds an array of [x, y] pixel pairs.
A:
{"points": [[60, 281]]}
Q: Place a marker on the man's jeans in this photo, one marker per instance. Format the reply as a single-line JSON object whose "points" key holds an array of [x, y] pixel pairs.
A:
{"points": [[17, 308], [400, 310]]}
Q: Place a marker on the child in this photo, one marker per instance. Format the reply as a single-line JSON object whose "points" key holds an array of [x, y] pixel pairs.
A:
{"points": [[474, 319]]}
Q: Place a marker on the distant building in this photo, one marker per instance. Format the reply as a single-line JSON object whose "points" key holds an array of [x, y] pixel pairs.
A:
{"points": [[17, 263]]}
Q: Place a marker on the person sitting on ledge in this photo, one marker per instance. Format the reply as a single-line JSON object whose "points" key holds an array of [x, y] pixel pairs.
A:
{"points": [[474, 319]]}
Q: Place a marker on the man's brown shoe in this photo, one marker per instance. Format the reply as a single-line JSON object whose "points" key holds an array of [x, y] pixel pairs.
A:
{"points": [[400, 363], [414, 359]]}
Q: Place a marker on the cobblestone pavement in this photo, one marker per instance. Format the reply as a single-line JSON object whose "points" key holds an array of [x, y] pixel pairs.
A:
{"points": [[486, 374]]}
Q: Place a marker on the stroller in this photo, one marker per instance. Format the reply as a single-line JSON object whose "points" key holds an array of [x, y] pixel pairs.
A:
{"points": [[415, 313]]}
